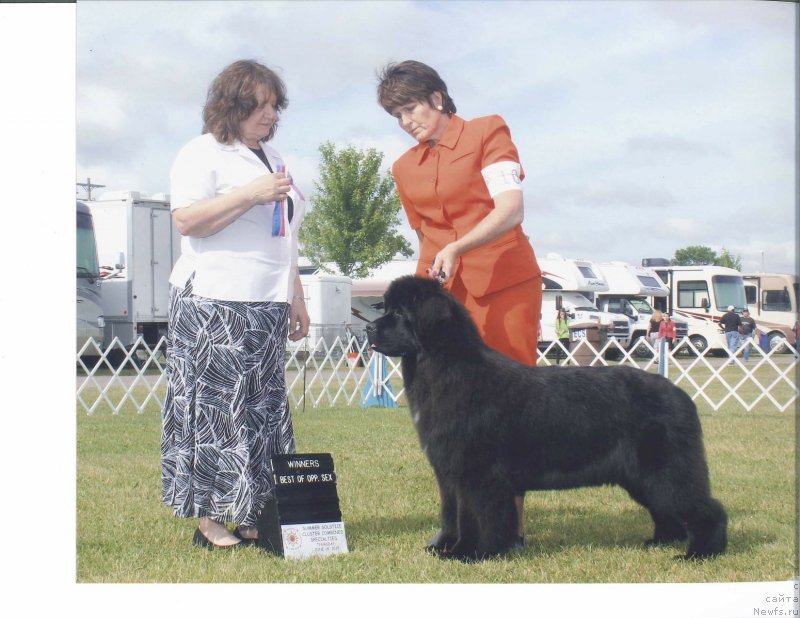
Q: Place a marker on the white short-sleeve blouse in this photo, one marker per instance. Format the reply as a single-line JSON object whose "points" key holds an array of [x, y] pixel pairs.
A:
{"points": [[243, 261]]}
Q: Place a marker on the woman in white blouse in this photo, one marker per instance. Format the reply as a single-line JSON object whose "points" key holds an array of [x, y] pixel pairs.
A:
{"points": [[235, 296]]}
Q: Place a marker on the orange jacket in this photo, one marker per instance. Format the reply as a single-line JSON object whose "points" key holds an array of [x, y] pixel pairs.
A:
{"points": [[444, 196]]}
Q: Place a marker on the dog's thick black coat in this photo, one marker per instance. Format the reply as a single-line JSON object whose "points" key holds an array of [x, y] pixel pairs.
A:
{"points": [[492, 428]]}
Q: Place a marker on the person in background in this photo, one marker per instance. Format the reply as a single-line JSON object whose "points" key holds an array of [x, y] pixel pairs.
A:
{"points": [[729, 322], [460, 187], [747, 330], [235, 295], [562, 333], [666, 331], [652, 330]]}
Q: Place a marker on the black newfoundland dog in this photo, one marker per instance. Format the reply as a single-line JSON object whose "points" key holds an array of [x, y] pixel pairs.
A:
{"points": [[492, 428]]}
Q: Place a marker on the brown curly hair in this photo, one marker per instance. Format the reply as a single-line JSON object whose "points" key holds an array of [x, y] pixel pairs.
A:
{"points": [[232, 98]]}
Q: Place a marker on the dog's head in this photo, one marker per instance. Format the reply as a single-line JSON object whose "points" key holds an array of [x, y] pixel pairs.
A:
{"points": [[419, 317]]}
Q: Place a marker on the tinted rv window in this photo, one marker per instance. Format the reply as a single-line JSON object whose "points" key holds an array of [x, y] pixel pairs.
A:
{"points": [[777, 300], [649, 281], [587, 272], [87, 250], [730, 291], [750, 294], [692, 293], [549, 284]]}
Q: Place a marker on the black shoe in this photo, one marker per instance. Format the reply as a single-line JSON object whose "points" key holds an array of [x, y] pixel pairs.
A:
{"points": [[244, 540], [200, 540]]}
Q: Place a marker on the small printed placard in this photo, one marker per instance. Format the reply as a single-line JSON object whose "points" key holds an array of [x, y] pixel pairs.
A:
{"points": [[308, 540], [578, 334], [303, 518]]}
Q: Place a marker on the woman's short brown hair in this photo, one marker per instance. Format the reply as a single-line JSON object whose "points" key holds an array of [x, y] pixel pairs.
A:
{"points": [[232, 98], [411, 82]]}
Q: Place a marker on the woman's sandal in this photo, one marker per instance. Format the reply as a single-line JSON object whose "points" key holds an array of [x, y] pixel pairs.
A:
{"points": [[200, 540], [244, 539]]}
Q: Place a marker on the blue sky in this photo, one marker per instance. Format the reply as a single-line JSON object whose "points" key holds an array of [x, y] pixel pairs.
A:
{"points": [[643, 127]]}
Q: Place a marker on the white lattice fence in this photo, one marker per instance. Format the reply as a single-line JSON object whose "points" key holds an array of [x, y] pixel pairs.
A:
{"points": [[346, 373]]}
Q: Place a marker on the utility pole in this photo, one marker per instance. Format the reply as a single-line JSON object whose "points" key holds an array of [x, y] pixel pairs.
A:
{"points": [[89, 186]]}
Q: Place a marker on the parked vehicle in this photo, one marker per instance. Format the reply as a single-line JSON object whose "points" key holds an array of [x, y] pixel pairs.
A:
{"points": [[629, 287], [328, 303], [772, 300], [89, 308], [367, 294], [700, 295], [137, 246], [574, 284]]}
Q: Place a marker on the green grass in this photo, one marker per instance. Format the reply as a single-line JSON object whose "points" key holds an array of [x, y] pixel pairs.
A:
{"points": [[390, 505]]}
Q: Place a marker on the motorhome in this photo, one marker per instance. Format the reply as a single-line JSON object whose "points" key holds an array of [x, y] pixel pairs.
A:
{"points": [[629, 287], [574, 285], [700, 294], [89, 307], [137, 246], [772, 300]]}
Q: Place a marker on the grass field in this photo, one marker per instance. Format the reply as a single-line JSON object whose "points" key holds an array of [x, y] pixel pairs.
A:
{"points": [[390, 506]]}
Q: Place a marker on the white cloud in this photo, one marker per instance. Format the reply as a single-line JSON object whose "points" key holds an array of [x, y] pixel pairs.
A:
{"points": [[623, 112]]}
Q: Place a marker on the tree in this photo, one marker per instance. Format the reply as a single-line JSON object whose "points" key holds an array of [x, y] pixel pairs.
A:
{"points": [[702, 255], [694, 255], [354, 213], [726, 259]]}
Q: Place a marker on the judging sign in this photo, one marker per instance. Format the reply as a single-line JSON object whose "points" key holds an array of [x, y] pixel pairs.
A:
{"points": [[303, 519]]}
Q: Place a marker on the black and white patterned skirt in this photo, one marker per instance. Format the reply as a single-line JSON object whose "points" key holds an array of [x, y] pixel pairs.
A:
{"points": [[226, 411]]}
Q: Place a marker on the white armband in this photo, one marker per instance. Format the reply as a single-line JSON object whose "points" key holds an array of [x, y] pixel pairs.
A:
{"points": [[502, 176]]}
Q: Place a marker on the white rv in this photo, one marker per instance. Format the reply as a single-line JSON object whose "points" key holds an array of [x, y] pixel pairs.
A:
{"points": [[574, 283], [629, 287], [89, 309], [772, 300], [137, 246], [701, 295], [571, 280]]}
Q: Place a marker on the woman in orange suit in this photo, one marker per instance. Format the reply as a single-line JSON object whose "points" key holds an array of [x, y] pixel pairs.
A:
{"points": [[460, 189]]}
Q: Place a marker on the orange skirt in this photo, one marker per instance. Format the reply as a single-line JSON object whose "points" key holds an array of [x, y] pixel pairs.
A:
{"points": [[508, 320]]}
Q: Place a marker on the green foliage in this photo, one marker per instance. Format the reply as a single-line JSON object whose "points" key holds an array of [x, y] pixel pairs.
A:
{"points": [[695, 254], [354, 213], [726, 259], [702, 255]]}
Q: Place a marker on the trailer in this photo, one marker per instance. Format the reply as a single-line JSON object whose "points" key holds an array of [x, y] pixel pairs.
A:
{"points": [[327, 300], [629, 287], [772, 299], [137, 246], [88, 299], [574, 284], [699, 294]]}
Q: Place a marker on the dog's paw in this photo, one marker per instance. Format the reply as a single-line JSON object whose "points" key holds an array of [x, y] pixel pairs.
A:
{"points": [[440, 542]]}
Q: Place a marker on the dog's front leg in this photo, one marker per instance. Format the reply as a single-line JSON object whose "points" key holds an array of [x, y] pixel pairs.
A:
{"points": [[447, 535], [468, 531]]}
